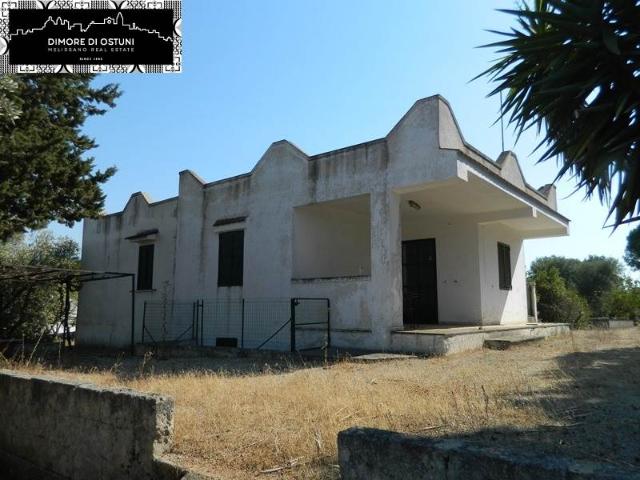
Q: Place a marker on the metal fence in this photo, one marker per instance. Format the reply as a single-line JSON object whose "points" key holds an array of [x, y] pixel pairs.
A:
{"points": [[311, 323], [169, 322], [294, 324]]}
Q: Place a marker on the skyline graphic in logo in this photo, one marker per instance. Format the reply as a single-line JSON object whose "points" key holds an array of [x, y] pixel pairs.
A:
{"points": [[61, 40], [117, 20]]}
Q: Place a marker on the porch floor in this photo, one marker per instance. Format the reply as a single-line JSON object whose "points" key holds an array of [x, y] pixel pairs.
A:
{"points": [[462, 329], [446, 339]]}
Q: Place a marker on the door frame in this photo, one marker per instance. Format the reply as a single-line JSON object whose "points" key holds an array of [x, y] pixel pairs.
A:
{"points": [[435, 284]]}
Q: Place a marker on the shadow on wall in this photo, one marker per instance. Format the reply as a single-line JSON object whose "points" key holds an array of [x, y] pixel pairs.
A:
{"points": [[596, 407]]}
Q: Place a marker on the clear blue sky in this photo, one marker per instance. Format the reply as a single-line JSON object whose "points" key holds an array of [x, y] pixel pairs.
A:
{"points": [[322, 74]]}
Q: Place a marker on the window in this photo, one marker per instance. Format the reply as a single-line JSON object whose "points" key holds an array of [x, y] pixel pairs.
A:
{"points": [[504, 266], [230, 258], [145, 267]]}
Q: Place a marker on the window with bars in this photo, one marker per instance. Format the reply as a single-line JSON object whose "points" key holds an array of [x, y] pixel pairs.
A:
{"points": [[145, 267], [230, 258], [504, 266]]}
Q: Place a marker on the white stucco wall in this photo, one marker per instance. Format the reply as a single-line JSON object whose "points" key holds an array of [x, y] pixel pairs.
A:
{"points": [[502, 306], [349, 300], [104, 308]]}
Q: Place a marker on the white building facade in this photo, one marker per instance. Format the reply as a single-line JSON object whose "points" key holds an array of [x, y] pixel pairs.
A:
{"points": [[414, 229]]}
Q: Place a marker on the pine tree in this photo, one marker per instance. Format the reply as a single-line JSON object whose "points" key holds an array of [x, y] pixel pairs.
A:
{"points": [[632, 251], [45, 174]]}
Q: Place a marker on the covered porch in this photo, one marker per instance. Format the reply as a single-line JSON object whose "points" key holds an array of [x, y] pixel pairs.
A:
{"points": [[402, 263], [462, 252]]}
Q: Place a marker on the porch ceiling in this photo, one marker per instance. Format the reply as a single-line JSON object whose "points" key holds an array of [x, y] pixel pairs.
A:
{"points": [[479, 201]]}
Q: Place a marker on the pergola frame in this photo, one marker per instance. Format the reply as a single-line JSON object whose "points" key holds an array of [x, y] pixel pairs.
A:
{"points": [[64, 276]]}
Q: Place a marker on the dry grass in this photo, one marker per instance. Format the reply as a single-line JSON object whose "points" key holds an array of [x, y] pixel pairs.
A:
{"points": [[238, 424]]}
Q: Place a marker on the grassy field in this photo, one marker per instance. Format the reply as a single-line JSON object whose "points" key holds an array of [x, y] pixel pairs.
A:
{"points": [[577, 395]]}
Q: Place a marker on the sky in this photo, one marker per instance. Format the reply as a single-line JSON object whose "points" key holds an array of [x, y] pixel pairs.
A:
{"points": [[324, 75]]}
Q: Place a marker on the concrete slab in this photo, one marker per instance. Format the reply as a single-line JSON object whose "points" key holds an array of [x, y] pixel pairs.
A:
{"points": [[457, 329], [381, 357], [448, 339], [613, 323], [507, 342]]}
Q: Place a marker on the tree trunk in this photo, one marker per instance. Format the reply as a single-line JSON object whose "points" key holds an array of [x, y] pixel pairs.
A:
{"points": [[67, 308]]}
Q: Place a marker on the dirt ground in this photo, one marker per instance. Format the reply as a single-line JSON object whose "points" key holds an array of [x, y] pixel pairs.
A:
{"points": [[577, 396]]}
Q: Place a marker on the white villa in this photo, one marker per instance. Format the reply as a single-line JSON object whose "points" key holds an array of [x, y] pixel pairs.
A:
{"points": [[412, 231]]}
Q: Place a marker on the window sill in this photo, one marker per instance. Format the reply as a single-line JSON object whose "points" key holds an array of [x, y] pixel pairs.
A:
{"points": [[151, 290], [346, 278]]}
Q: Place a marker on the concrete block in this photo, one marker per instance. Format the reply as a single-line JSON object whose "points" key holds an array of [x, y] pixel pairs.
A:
{"points": [[508, 342], [370, 454], [64, 429], [609, 323]]}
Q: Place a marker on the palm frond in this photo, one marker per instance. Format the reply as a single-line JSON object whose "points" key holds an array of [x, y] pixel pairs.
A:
{"points": [[571, 69]]}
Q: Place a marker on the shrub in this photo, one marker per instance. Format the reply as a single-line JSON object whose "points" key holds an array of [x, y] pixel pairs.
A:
{"points": [[29, 308], [558, 303], [624, 301], [592, 278]]}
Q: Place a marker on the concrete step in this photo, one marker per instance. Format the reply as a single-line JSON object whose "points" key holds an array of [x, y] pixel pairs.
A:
{"points": [[506, 342], [381, 357]]}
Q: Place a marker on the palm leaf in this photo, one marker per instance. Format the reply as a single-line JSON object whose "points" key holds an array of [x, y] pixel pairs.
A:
{"points": [[571, 69]]}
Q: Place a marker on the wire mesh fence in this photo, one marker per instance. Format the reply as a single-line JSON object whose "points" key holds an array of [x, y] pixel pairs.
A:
{"points": [[221, 323], [266, 324], [169, 322], [294, 324]]}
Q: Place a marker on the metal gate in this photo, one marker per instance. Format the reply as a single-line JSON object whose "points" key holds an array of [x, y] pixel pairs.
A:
{"points": [[310, 324], [290, 324]]}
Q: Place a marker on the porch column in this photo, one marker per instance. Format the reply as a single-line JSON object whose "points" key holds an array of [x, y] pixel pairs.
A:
{"points": [[386, 265], [532, 297]]}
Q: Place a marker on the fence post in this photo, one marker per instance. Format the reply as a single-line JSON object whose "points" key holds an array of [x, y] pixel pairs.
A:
{"points": [[328, 324], [201, 302], [194, 326], [242, 326], [144, 319], [133, 314], [292, 320]]}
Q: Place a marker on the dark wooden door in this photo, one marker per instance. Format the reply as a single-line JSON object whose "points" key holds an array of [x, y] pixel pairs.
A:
{"points": [[419, 282]]}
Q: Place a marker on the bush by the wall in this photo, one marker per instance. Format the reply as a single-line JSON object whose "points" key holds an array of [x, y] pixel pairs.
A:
{"points": [[557, 303]]}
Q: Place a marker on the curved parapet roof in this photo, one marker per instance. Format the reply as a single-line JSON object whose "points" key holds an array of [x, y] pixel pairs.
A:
{"points": [[449, 135]]}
